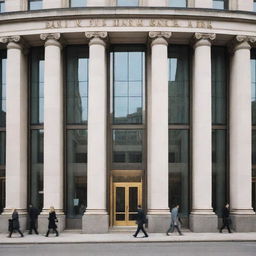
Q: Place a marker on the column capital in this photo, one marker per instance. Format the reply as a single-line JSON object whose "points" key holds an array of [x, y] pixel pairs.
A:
{"points": [[241, 42], [97, 37], [51, 39], [159, 37], [13, 42], [200, 39]]}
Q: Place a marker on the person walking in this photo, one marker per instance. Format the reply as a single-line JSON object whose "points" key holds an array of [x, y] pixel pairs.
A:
{"points": [[14, 224], [33, 215], [225, 218], [52, 222], [174, 221], [141, 220]]}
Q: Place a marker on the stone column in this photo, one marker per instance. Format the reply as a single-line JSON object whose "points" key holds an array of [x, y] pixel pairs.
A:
{"points": [[95, 219], [241, 5], [244, 219], [202, 4], [202, 218], [16, 127], [158, 210], [53, 128], [47, 4]]}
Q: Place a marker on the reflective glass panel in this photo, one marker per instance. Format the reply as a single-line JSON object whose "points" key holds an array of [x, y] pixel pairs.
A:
{"points": [[2, 88], [219, 170], [37, 85], [177, 3], [254, 5], [127, 146], [128, 86], [2, 148], [179, 170], [76, 187], [2, 6], [254, 169], [2, 190], [220, 4], [253, 86], [127, 2], [120, 199], [36, 168], [35, 5], [178, 85], [77, 85], [78, 3], [219, 85]]}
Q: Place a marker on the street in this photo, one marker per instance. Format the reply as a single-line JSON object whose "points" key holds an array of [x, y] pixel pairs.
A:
{"points": [[120, 249]]}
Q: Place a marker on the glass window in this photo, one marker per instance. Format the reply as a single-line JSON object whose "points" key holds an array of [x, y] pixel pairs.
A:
{"points": [[127, 146], [35, 5], [220, 4], [2, 148], [127, 2], [2, 190], [77, 85], [2, 88], [253, 86], [37, 85], [179, 170], [219, 85], [128, 86], [78, 3], [177, 3], [254, 5], [36, 168], [76, 172], [178, 85], [219, 170], [2, 6]]}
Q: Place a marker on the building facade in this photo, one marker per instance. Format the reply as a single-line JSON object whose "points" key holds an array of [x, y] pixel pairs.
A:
{"points": [[107, 104]]}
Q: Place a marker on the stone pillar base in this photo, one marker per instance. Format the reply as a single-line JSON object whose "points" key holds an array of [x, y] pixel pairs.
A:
{"points": [[4, 222], [203, 223], [43, 222], [243, 222], [95, 223], [158, 223]]}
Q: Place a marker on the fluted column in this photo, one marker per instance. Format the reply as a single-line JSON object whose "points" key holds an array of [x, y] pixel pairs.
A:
{"points": [[16, 126], [158, 210], [95, 219], [202, 218], [53, 124], [240, 135]]}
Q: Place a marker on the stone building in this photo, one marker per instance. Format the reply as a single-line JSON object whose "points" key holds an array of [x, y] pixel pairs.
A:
{"points": [[107, 104]]}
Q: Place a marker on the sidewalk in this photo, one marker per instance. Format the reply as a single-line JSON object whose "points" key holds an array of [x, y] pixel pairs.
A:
{"points": [[125, 237]]}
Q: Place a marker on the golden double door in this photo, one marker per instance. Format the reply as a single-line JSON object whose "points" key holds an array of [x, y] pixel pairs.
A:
{"points": [[126, 198]]}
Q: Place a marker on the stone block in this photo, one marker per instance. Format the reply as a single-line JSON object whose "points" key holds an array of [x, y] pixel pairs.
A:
{"points": [[95, 223], [203, 223], [43, 223], [243, 222], [158, 223]]}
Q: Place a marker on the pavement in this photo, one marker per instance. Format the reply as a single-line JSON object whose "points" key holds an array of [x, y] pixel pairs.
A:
{"points": [[69, 237]]}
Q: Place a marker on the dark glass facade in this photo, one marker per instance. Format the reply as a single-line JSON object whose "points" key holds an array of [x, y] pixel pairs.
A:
{"points": [[36, 120], [76, 97], [2, 127], [219, 128], [177, 3], [179, 127]]}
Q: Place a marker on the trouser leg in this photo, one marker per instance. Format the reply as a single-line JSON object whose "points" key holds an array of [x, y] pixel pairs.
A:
{"points": [[178, 229], [137, 231], [10, 233], [144, 231], [20, 232], [48, 231], [56, 232]]}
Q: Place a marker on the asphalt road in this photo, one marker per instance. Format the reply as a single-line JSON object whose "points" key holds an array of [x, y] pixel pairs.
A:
{"points": [[141, 249]]}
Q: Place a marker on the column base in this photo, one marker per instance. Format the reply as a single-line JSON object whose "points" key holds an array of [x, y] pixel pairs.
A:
{"points": [[158, 223], [43, 222], [95, 223], [203, 223], [243, 222], [5, 216]]}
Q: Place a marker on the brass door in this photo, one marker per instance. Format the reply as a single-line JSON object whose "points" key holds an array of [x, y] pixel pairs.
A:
{"points": [[127, 196]]}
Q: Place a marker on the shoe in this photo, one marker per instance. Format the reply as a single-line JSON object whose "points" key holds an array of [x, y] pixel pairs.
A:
{"points": [[22, 236], [167, 234], [134, 236], [181, 234], [144, 236], [220, 231], [9, 236], [46, 236]]}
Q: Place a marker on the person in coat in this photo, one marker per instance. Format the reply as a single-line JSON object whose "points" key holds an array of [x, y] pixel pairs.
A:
{"points": [[225, 218], [33, 215], [174, 221], [140, 220], [14, 223], [52, 222]]}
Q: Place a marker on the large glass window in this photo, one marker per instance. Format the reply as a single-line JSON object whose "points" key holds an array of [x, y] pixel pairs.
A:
{"points": [[220, 4], [2, 127], [178, 85], [35, 5], [78, 3], [219, 128], [128, 86], [127, 2], [2, 6], [76, 95], [77, 85], [36, 110], [177, 3], [254, 5]]}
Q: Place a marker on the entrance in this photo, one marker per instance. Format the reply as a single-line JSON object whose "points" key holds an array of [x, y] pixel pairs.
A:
{"points": [[126, 197]]}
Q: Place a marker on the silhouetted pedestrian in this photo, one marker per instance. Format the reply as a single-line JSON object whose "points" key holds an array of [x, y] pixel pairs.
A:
{"points": [[52, 222], [175, 222], [141, 220], [226, 219], [33, 215], [14, 223]]}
